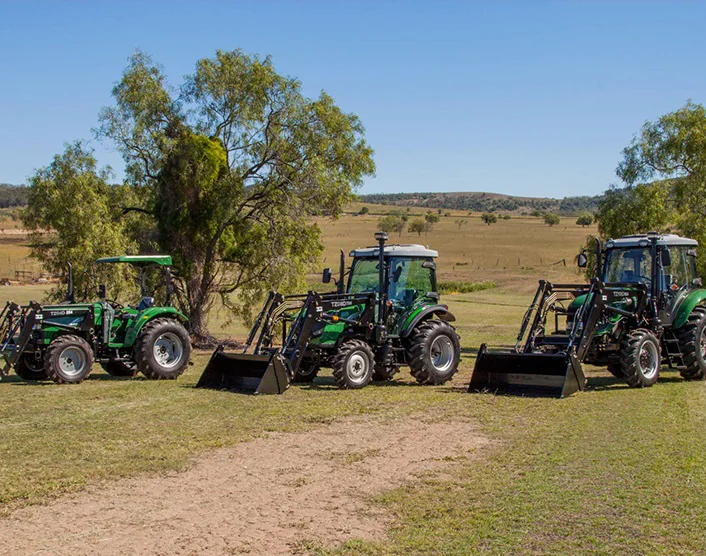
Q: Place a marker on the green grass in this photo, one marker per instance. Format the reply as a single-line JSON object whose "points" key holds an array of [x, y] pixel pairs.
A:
{"points": [[608, 471], [460, 286]]}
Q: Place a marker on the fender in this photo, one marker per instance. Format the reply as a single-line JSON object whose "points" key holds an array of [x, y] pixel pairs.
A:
{"points": [[149, 315], [687, 306], [441, 311]]}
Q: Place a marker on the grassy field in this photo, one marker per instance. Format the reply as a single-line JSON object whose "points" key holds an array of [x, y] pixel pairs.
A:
{"points": [[608, 471]]}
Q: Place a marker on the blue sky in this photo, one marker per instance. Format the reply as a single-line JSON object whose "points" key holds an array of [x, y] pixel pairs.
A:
{"points": [[524, 98]]}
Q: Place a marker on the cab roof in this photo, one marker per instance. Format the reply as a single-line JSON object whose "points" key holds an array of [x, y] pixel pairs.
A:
{"points": [[395, 250], [663, 239], [139, 260]]}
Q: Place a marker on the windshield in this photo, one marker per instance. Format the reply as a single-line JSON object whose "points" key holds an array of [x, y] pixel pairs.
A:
{"points": [[364, 276], [630, 266], [408, 278]]}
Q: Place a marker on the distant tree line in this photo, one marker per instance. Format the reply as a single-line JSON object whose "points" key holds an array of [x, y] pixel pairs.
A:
{"points": [[12, 195], [487, 202]]}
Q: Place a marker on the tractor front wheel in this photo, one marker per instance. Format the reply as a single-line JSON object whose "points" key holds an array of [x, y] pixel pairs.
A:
{"points": [[692, 343], [163, 349], [28, 368], [307, 371], [353, 365], [640, 358], [68, 359], [433, 352], [120, 368]]}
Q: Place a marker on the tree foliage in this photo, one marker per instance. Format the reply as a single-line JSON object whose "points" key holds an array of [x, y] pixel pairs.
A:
{"points": [[392, 223], [552, 219], [419, 226], [74, 216], [224, 172], [585, 219], [489, 218]]}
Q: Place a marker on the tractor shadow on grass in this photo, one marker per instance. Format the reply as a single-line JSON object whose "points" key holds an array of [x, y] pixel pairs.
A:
{"points": [[601, 383], [15, 380], [327, 383]]}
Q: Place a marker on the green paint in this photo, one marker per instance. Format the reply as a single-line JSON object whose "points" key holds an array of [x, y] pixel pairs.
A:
{"points": [[687, 306]]}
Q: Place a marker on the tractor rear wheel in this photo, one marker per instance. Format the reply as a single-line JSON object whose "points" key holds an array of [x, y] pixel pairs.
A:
{"points": [[692, 343], [640, 358], [353, 365], [120, 368], [68, 359], [163, 349], [28, 368], [433, 352]]}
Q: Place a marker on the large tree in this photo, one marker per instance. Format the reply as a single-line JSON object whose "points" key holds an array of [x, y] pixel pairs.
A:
{"points": [[230, 166], [73, 215], [664, 173]]}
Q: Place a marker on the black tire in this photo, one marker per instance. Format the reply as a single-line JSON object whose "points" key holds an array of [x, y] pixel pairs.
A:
{"points": [[163, 349], [353, 365], [68, 359], [384, 368], [120, 368], [640, 358], [616, 369], [433, 352], [307, 371], [692, 343], [28, 369]]}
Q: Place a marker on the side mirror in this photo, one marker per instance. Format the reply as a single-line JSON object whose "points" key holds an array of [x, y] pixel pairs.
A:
{"points": [[102, 292], [582, 260], [398, 273], [666, 257], [326, 277], [697, 282]]}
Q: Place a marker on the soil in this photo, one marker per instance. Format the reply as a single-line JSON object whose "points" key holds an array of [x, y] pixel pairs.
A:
{"points": [[274, 495]]}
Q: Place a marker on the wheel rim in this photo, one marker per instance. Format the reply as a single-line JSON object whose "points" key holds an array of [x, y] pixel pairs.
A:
{"points": [[168, 350], [72, 362], [649, 360], [32, 364], [442, 353], [357, 367], [702, 345]]}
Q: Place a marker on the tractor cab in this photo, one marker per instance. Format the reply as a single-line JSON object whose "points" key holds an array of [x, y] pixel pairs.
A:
{"points": [[407, 280], [662, 267]]}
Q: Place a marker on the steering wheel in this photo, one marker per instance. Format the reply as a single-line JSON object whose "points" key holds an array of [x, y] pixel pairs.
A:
{"points": [[647, 279], [115, 305]]}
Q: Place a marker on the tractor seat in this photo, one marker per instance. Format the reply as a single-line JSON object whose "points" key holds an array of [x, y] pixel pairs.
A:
{"points": [[145, 303]]}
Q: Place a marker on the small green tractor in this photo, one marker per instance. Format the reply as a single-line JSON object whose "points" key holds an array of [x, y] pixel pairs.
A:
{"points": [[644, 309], [61, 342], [387, 315]]}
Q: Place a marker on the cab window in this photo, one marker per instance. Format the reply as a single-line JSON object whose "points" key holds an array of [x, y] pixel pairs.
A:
{"points": [[364, 276], [629, 266], [409, 279]]}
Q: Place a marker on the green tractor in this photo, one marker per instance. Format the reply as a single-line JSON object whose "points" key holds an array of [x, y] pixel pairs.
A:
{"points": [[62, 342], [385, 316], [642, 311]]}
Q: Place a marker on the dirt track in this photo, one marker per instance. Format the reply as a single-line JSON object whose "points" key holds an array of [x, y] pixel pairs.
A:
{"points": [[262, 497]]}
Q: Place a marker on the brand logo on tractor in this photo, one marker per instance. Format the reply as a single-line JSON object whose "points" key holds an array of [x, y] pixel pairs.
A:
{"points": [[339, 304], [60, 313], [621, 294]]}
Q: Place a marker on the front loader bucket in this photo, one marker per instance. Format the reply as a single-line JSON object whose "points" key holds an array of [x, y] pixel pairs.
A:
{"points": [[252, 374], [534, 374]]}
